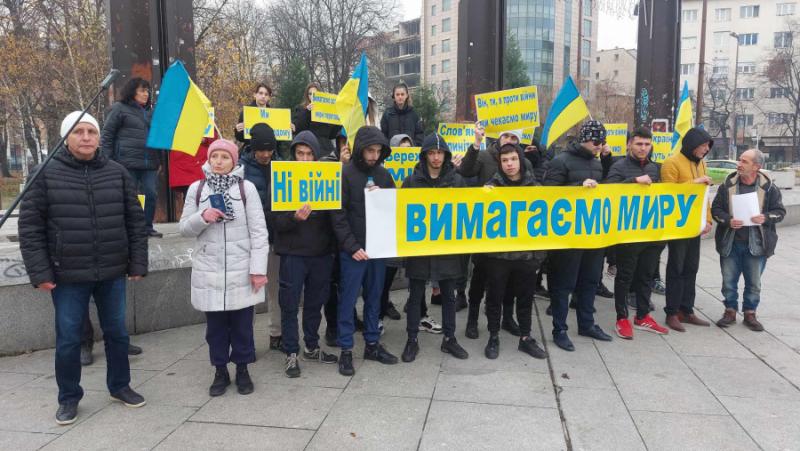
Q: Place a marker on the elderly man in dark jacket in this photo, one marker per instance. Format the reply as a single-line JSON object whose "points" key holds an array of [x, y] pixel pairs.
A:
{"points": [[636, 262], [364, 171], [434, 170], [578, 270], [744, 249], [81, 231]]}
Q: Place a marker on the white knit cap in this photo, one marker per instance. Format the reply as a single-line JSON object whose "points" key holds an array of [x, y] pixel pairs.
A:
{"points": [[66, 124], [517, 133]]}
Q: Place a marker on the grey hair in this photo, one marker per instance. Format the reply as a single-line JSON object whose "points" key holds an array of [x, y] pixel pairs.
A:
{"points": [[758, 156]]}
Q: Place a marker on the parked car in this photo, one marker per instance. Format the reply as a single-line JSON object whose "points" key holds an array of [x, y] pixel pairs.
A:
{"points": [[718, 170]]}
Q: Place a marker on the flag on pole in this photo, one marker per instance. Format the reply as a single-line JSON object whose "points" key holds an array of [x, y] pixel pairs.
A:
{"points": [[181, 114], [683, 118], [352, 101], [567, 110]]}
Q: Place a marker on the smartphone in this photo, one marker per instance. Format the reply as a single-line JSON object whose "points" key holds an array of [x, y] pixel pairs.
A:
{"points": [[218, 202]]}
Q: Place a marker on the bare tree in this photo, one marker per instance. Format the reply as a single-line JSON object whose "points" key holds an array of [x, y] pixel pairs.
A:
{"points": [[782, 72], [610, 103]]}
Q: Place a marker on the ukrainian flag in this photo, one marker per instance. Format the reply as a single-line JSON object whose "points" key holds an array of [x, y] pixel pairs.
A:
{"points": [[567, 110], [683, 118], [181, 114], [352, 101]]}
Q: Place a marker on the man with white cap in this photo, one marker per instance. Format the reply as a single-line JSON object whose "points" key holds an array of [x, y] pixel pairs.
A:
{"points": [[82, 231]]}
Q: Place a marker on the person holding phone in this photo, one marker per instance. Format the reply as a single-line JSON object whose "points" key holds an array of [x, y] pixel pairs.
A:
{"points": [[229, 263]]}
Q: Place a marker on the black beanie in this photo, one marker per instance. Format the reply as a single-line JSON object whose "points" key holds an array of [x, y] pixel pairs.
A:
{"points": [[262, 137]]}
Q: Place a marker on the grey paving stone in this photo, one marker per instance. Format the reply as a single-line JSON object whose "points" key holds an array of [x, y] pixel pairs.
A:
{"points": [[416, 379], [712, 342], [10, 381], [34, 409], [670, 431], [210, 436], [121, 428], [581, 368], [23, 441], [372, 422], [163, 348], [270, 367], [771, 422], [271, 405], [39, 363], [741, 377], [598, 419], [462, 425], [510, 358], [94, 378], [185, 383], [483, 386]]}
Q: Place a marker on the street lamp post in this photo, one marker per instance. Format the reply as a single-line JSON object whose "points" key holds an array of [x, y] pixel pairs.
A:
{"points": [[732, 148]]}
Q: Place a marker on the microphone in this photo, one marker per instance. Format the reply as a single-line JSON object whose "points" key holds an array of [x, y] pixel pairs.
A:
{"points": [[112, 75]]}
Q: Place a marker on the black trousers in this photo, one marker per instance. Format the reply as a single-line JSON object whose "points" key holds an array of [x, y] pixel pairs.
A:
{"points": [[477, 287], [636, 264], [683, 262], [308, 277], [391, 271], [508, 279], [229, 335], [417, 297], [579, 271]]}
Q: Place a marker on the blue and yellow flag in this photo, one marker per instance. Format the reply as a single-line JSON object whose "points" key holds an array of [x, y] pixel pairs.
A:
{"points": [[567, 110], [181, 114], [352, 101], [683, 118]]}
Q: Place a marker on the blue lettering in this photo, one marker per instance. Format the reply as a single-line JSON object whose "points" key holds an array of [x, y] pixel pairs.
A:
{"points": [[667, 204], [685, 206], [649, 213], [537, 223], [516, 207], [560, 226], [469, 225], [282, 187], [590, 220], [304, 191], [415, 222], [443, 221], [628, 211], [495, 226]]}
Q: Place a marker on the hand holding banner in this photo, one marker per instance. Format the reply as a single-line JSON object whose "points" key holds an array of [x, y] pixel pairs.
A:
{"points": [[280, 119], [297, 183]]}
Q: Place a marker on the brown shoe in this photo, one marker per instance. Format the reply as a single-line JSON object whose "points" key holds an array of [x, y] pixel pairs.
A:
{"points": [[751, 322], [674, 323], [692, 319], [728, 318]]}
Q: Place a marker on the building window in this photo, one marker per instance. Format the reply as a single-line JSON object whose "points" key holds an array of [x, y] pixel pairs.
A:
{"points": [[433, 49], [616, 57], [785, 9], [445, 25], [744, 120], [722, 14], [445, 45], [721, 39], [783, 39], [445, 5], [586, 48], [748, 11], [597, 59], [433, 69], [689, 15], [779, 93], [445, 86], [745, 93], [433, 10], [746, 68], [689, 43], [445, 66], [748, 39], [433, 30], [587, 8], [720, 67], [779, 118], [616, 73], [718, 94], [585, 68], [687, 69], [587, 28], [597, 75]]}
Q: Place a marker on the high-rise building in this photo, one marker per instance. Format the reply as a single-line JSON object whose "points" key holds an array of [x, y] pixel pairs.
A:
{"points": [[402, 55]]}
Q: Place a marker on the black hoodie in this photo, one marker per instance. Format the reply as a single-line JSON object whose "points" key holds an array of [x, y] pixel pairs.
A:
{"points": [[692, 140], [350, 223], [312, 237]]}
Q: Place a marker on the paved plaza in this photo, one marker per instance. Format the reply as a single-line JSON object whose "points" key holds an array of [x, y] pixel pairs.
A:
{"points": [[704, 389]]}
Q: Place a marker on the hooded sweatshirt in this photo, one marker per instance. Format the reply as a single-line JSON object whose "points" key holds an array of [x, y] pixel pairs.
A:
{"points": [[684, 167]]}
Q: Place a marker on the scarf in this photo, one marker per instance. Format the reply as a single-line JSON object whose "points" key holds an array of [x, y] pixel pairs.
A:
{"points": [[220, 184]]}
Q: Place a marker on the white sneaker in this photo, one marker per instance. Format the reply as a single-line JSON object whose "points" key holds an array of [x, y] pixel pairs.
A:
{"points": [[429, 325]]}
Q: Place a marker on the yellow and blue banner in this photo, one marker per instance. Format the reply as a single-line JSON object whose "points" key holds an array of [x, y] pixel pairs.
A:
{"points": [[181, 114], [297, 183], [459, 137], [352, 101], [511, 109], [662, 147], [617, 139], [324, 110], [567, 110], [280, 119], [429, 221], [401, 162], [683, 118]]}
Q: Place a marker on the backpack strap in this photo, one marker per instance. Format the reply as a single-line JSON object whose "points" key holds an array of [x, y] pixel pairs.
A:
{"points": [[199, 192], [242, 193]]}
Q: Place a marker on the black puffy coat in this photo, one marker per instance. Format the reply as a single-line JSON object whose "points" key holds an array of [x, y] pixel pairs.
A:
{"points": [[484, 164], [124, 137], [81, 221], [350, 223], [325, 133], [404, 121], [628, 168], [572, 166]]}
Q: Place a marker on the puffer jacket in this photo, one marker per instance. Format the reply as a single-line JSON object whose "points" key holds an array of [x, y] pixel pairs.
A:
{"points": [[572, 166], [325, 133], [396, 121], [483, 164], [226, 253], [81, 222], [124, 137], [628, 168]]}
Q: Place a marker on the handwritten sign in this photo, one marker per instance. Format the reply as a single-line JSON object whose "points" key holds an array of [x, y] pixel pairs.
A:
{"points": [[512, 109], [280, 119], [324, 110]]}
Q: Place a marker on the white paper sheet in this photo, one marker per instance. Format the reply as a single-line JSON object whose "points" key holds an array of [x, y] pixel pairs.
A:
{"points": [[745, 206]]}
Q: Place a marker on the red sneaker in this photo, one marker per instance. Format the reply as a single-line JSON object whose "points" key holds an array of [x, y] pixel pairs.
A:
{"points": [[624, 329], [649, 324]]}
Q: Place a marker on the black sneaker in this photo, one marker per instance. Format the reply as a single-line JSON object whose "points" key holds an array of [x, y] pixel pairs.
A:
{"points": [[529, 346], [276, 343], [128, 397], [346, 363], [597, 333], [244, 385], [153, 233], [561, 339], [134, 350], [461, 301], [392, 312], [436, 299], [221, 381], [451, 346], [549, 310], [330, 337], [86, 355], [67, 413], [378, 353], [604, 292], [472, 330], [659, 287], [511, 326], [292, 366], [318, 355], [492, 349], [410, 351]]}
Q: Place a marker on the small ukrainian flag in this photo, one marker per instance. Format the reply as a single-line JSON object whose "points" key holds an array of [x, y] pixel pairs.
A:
{"points": [[567, 110]]}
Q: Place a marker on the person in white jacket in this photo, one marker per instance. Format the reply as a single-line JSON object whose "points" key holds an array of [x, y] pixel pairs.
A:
{"points": [[229, 263]]}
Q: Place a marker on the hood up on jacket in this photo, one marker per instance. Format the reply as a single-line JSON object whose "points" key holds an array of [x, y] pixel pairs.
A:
{"points": [[306, 137], [693, 139], [365, 137], [397, 139], [431, 142], [526, 177]]}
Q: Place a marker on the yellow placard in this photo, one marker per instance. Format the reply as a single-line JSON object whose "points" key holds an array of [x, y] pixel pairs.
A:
{"points": [[617, 139], [458, 136], [324, 109], [414, 222], [280, 119], [662, 146], [209, 133], [297, 183], [401, 162], [512, 109], [141, 199]]}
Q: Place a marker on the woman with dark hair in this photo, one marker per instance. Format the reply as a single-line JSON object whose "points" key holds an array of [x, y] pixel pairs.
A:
{"points": [[302, 120], [124, 140], [400, 118], [261, 97]]}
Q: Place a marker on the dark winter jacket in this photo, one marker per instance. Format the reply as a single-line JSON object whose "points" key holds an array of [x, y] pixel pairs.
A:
{"points": [[261, 177], [312, 237], [325, 133], [406, 121], [483, 164], [81, 221], [440, 267], [350, 223], [628, 168], [572, 166], [124, 137], [762, 239]]}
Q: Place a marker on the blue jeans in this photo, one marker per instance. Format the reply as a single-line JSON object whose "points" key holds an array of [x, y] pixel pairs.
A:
{"points": [[71, 301], [578, 271], [147, 184], [311, 277], [229, 335], [355, 275], [741, 262]]}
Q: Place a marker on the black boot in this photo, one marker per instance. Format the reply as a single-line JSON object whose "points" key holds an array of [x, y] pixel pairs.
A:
{"points": [[472, 320], [511, 326], [244, 385], [221, 381], [331, 337], [461, 301], [492, 349]]}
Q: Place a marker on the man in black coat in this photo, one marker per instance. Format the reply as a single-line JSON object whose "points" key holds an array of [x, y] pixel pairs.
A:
{"points": [[81, 231], [434, 170]]}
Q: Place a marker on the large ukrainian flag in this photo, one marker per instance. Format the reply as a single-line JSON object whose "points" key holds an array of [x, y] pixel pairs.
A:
{"points": [[567, 110], [352, 101], [181, 114], [683, 118]]}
